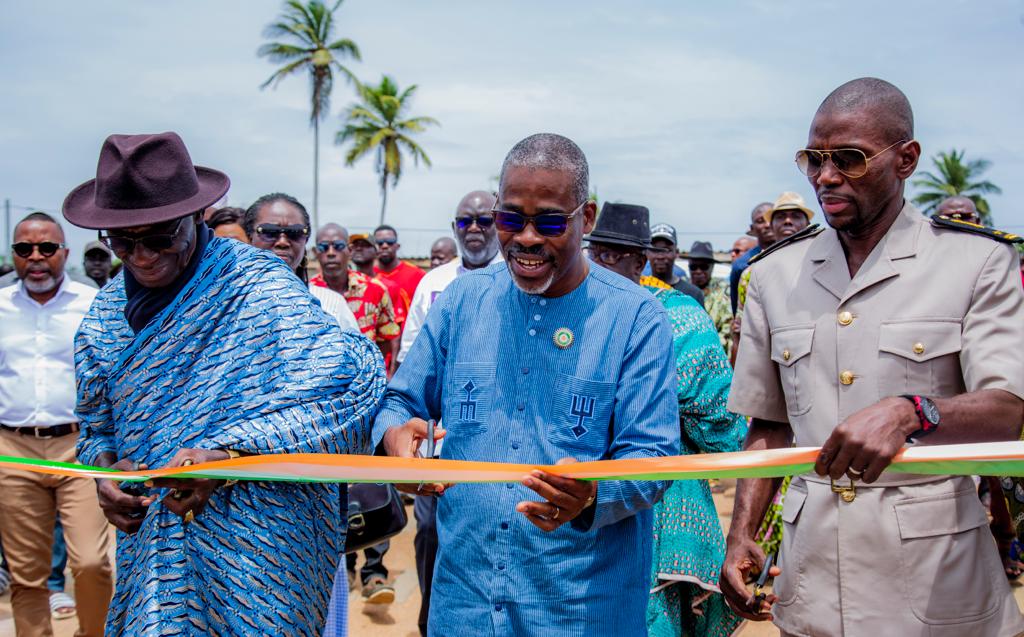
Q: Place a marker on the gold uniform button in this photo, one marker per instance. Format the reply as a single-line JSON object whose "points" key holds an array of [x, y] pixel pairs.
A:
{"points": [[919, 348], [845, 318], [785, 354], [846, 377]]}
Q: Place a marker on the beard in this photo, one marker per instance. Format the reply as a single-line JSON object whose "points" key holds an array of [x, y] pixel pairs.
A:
{"points": [[538, 287], [41, 286], [482, 255]]}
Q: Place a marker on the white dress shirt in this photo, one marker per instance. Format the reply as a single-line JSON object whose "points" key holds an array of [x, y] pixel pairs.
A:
{"points": [[37, 354], [336, 305], [429, 288]]}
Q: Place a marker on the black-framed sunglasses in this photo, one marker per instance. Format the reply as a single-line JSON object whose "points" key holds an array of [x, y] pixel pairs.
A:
{"points": [[324, 246], [611, 256], [552, 224], [269, 232], [121, 244], [482, 221], [386, 242], [24, 249], [852, 162]]}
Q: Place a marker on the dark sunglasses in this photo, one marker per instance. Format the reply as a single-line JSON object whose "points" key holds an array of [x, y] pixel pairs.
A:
{"points": [[120, 244], [324, 246], [547, 225], [386, 242], [24, 249], [611, 256], [271, 231], [852, 162], [482, 221]]}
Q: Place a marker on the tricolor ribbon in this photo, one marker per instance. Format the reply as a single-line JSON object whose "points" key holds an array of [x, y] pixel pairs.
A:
{"points": [[990, 458]]}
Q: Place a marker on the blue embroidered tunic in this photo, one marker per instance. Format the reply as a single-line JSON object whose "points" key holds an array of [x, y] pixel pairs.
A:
{"points": [[243, 358], [487, 362]]}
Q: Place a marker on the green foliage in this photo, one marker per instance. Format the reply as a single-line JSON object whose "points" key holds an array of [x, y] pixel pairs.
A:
{"points": [[306, 45], [379, 124], [955, 177]]}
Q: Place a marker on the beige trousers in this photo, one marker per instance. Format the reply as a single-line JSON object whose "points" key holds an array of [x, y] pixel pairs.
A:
{"points": [[29, 503]]}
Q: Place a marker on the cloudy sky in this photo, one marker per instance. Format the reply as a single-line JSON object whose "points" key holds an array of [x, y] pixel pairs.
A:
{"points": [[692, 109]]}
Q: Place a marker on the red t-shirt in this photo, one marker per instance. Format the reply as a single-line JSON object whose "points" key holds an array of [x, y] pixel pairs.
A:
{"points": [[401, 283]]}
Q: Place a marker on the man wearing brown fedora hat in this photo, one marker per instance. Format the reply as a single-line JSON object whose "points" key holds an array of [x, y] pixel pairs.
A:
{"points": [[206, 349]]}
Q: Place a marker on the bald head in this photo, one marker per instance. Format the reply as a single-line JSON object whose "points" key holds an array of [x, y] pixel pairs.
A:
{"points": [[959, 207], [331, 232], [885, 106], [551, 152], [442, 251], [476, 202]]}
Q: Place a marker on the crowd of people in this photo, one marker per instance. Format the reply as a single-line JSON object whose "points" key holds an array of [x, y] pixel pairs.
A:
{"points": [[546, 331]]}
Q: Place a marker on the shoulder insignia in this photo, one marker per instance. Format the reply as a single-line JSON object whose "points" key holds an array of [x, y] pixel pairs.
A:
{"points": [[809, 231], [945, 221]]}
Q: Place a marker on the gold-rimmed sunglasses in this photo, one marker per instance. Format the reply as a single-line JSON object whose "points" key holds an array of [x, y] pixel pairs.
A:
{"points": [[852, 162]]}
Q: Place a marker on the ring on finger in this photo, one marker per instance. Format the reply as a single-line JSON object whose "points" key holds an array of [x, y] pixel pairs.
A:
{"points": [[189, 516], [853, 473], [557, 512]]}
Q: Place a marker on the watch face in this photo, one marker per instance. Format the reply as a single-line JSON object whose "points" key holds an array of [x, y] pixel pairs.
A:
{"points": [[930, 411]]}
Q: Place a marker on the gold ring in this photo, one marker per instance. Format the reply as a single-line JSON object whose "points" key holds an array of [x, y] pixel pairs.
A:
{"points": [[853, 473], [557, 512], [189, 516], [186, 462]]}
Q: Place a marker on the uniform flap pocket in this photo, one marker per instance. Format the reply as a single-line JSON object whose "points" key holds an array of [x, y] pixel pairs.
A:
{"points": [[792, 503], [944, 514], [790, 344], [920, 340]]}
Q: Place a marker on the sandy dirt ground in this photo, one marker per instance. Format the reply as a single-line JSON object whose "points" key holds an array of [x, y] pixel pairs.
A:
{"points": [[399, 618]]}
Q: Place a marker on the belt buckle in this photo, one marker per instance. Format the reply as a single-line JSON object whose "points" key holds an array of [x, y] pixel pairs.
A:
{"points": [[35, 432], [848, 494]]}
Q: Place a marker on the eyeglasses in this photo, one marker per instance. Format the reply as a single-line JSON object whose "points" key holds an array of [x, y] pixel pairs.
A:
{"points": [[482, 221], [660, 251], [386, 242], [610, 256], [271, 231], [24, 249], [852, 162], [324, 246], [121, 244], [551, 224]]}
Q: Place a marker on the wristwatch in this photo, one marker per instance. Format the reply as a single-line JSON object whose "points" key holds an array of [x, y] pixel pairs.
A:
{"points": [[927, 415]]}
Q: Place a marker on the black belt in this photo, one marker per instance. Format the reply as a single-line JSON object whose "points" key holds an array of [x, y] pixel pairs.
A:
{"points": [[53, 431]]}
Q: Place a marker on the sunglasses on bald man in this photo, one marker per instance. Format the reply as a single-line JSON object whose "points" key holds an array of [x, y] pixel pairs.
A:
{"points": [[852, 162]]}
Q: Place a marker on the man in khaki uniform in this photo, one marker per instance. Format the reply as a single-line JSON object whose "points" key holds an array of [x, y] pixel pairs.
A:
{"points": [[882, 327]]}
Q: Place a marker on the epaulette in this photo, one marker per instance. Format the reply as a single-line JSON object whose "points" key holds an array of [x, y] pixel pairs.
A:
{"points": [[945, 221], [809, 231]]}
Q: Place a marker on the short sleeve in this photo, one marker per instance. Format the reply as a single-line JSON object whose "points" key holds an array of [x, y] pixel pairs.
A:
{"points": [[993, 327], [756, 389]]}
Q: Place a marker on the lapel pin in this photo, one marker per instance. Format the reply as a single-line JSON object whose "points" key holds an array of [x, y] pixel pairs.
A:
{"points": [[563, 338]]}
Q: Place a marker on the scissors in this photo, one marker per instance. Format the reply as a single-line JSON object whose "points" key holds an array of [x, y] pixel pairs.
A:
{"points": [[759, 592]]}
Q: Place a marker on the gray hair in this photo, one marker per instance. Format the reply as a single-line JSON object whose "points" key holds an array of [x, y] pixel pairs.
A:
{"points": [[551, 152]]}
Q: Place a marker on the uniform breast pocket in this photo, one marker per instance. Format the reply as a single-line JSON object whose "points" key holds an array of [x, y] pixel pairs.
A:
{"points": [[791, 350], [469, 398], [580, 419], [919, 356]]}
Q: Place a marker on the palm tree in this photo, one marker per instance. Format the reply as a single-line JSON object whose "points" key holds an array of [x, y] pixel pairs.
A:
{"points": [[377, 125], [307, 30], [956, 178]]}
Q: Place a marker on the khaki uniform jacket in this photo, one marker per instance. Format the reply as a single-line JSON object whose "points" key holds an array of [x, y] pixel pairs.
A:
{"points": [[934, 312]]}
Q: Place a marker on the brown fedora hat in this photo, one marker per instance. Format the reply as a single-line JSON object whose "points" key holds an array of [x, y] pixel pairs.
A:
{"points": [[142, 180]]}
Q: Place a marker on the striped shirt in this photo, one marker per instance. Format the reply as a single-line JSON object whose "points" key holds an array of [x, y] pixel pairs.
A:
{"points": [[524, 378]]}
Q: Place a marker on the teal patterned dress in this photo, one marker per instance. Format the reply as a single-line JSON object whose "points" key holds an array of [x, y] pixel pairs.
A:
{"points": [[689, 546]]}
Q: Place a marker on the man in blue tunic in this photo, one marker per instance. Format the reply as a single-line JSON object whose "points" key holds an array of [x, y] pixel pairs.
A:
{"points": [[205, 349], [567, 362]]}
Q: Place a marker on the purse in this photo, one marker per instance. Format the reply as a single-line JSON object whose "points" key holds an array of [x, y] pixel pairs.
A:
{"points": [[375, 513]]}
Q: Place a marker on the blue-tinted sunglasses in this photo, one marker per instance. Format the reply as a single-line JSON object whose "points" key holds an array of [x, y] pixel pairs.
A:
{"points": [[547, 225]]}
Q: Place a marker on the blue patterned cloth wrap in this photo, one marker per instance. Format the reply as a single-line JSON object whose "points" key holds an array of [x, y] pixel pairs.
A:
{"points": [[245, 359]]}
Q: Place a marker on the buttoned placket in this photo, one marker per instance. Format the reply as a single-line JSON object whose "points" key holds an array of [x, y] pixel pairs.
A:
{"points": [[529, 339]]}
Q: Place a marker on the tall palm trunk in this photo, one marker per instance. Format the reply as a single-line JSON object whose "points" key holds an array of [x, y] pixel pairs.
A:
{"points": [[383, 195], [316, 175]]}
